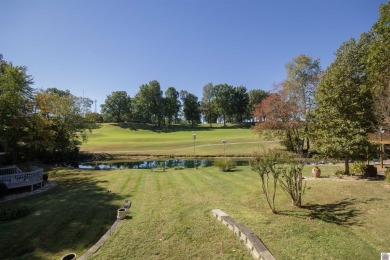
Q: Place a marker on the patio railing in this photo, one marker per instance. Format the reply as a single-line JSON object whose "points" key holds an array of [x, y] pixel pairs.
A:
{"points": [[383, 138], [13, 177]]}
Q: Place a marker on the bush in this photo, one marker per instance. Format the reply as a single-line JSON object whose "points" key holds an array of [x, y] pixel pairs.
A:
{"points": [[45, 177], [279, 166], [339, 172], [291, 181], [265, 165], [358, 168], [13, 213], [3, 189], [387, 174], [224, 164]]}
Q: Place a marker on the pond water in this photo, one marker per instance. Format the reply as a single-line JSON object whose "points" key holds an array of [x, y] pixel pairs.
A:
{"points": [[154, 163]]}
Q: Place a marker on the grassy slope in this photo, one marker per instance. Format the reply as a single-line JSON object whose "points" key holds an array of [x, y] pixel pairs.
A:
{"points": [[170, 217], [174, 141]]}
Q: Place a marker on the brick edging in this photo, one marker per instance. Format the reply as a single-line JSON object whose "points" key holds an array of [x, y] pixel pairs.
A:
{"points": [[103, 239], [250, 239]]}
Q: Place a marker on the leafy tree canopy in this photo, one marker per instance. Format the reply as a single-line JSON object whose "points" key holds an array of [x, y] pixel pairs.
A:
{"points": [[118, 106], [344, 113]]}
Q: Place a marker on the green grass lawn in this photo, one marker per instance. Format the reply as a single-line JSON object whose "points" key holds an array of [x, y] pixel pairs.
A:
{"points": [[175, 141], [171, 217]]}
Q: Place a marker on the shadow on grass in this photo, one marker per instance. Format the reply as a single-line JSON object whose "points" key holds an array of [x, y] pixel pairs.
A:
{"points": [[340, 213], [73, 216]]}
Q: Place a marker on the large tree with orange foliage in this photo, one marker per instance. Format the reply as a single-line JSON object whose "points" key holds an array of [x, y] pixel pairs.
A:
{"points": [[288, 110], [280, 115]]}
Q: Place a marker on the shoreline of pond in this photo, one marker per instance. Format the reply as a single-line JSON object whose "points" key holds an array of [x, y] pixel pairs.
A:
{"points": [[112, 157], [153, 164], [90, 156], [125, 161]]}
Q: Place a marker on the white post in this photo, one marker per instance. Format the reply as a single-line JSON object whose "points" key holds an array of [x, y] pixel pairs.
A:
{"points": [[194, 137], [224, 151]]}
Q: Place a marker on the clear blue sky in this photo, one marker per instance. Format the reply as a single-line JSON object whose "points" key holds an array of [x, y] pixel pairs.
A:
{"points": [[96, 46]]}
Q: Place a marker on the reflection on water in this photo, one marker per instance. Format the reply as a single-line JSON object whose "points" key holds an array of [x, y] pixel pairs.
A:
{"points": [[154, 164]]}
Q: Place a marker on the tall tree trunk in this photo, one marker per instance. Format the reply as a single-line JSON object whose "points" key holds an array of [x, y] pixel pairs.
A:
{"points": [[308, 143], [305, 136], [298, 199], [346, 162]]}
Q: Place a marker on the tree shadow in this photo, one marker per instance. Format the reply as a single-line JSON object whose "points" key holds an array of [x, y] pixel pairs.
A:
{"points": [[235, 170], [73, 215], [340, 212], [379, 177], [372, 199]]}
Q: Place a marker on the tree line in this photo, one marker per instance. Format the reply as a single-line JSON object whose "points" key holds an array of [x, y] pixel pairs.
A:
{"points": [[39, 124], [50, 124], [220, 103], [313, 111], [331, 112]]}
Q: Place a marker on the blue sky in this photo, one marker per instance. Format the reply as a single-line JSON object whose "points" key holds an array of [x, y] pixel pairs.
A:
{"points": [[96, 47]]}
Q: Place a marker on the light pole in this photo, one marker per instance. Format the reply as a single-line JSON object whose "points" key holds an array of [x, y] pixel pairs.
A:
{"points": [[224, 151], [381, 131], [194, 137]]}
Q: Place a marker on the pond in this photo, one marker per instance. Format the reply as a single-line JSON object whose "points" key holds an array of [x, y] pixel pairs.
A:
{"points": [[150, 164]]}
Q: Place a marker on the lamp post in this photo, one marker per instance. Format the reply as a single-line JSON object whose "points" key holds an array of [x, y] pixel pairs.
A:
{"points": [[224, 151], [194, 137], [381, 150]]}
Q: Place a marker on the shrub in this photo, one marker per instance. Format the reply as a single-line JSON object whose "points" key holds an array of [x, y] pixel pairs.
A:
{"points": [[291, 181], [282, 167], [45, 177], [3, 189], [224, 164], [358, 168], [387, 174], [13, 213], [265, 164], [339, 172]]}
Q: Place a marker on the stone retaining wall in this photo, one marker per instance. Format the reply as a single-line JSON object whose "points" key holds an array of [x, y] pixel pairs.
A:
{"points": [[250, 240]]}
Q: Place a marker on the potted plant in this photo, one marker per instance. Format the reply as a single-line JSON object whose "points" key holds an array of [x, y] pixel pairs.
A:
{"points": [[316, 171], [121, 213], [70, 256], [371, 171], [127, 204]]}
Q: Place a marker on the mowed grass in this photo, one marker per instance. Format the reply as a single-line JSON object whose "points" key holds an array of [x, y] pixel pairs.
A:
{"points": [[175, 140], [170, 217]]}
